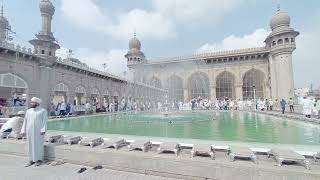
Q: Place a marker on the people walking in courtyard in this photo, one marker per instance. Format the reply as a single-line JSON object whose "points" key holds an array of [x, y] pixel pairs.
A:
{"points": [[318, 108], [276, 105], [267, 104], [261, 104], [58, 109], [307, 106], [34, 128], [291, 103], [52, 109], [88, 107], [283, 104], [63, 109], [271, 104]]}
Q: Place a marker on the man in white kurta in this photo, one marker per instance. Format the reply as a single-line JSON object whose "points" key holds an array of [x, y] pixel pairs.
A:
{"points": [[34, 128], [318, 108], [307, 105]]}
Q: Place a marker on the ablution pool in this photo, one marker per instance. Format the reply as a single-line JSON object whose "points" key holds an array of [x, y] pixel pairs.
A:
{"points": [[217, 126]]}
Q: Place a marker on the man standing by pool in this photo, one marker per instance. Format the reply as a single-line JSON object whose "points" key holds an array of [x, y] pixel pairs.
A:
{"points": [[283, 104], [34, 127], [291, 103]]}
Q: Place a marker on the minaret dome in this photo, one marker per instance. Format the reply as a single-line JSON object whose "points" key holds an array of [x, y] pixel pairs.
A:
{"points": [[46, 7]]}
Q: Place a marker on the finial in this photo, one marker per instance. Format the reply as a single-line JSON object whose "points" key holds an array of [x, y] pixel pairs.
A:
{"points": [[2, 14], [278, 5], [134, 32]]}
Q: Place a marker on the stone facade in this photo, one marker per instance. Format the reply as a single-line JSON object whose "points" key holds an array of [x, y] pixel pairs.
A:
{"points": [[238, 74], [40, 73]]}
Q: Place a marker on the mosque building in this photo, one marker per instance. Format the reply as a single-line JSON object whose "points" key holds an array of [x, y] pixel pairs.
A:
{"points": [[262, 72], [238, 74], [26, 72]]}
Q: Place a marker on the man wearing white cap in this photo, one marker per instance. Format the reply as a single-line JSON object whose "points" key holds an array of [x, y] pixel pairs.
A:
{"points": [[34, 127], [13, 126]]}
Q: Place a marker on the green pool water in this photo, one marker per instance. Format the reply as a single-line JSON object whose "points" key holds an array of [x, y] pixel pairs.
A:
{"points": [[219, 126]]}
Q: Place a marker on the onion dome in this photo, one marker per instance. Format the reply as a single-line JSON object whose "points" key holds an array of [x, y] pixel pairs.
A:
{"points": [[135, 43], [280, 19], [46, 7]]}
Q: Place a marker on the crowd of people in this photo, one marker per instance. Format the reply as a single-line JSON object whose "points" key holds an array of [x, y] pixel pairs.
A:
{"points": [[13, 101], [308, 105], [61, 109], [20, 126]]}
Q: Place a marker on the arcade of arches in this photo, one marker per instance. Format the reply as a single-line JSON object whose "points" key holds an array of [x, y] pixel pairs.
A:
{"points": [[14, 92], [198, 86], [252, 85], [155, 82], [80, 97], [175, 86]]}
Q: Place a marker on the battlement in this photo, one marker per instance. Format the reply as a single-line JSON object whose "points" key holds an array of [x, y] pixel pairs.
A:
{"points": [[206, 55]]}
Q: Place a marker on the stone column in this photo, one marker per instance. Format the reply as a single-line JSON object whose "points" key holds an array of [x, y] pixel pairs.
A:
{"points": [[45, 87], [185, 95], [267, 92], [71, 98], [213, 93], [87, 97], [238, 88]]}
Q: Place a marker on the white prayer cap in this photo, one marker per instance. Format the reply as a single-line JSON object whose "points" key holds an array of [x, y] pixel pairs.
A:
{"points": [[21, 113], [36, 100]]}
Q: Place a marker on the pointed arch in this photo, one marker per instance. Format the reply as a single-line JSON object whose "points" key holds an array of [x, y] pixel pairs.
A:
{"points": [[156, 82], [106, 92], [12, 81], [225, 85], [80, 90], [175, 88], [95, 91], [198, 85], [253, 84], [61, 87]]}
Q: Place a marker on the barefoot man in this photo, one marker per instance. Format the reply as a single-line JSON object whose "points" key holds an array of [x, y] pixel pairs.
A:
{"points": [[34, 128]]}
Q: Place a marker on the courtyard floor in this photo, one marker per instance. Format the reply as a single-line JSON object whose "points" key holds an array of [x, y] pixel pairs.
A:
{"points": [[12, 168]]}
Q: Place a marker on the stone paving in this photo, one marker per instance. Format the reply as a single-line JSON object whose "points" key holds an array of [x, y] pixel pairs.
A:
{"points": [[14, 164], [12, 168]]}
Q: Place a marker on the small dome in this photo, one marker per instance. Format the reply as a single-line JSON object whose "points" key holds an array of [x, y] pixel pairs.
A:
{"points": [[4, 22], [280, 19], [46, 7], [135, 52], [135, 43]]}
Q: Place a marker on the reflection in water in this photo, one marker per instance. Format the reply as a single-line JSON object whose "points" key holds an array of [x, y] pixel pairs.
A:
{"points": [[224, 126]]}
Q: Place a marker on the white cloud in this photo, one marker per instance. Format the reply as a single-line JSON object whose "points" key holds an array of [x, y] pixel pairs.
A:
{"points": [[306, 59], [88, 15], [85, 14], [148, 24], [158, 23], [62, 52], [191, 10], [256, 39], [114, 59]]}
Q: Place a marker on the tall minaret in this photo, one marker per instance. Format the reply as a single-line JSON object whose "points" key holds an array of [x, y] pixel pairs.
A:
{"points": [[135, 60], [281, 43], [45, 44], [4, 28]]}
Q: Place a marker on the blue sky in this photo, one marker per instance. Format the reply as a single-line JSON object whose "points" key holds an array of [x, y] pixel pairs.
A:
{"points": [[99, 30]]}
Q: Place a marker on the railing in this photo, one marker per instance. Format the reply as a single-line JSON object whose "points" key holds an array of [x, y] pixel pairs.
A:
{"points": [[209, 54]]}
